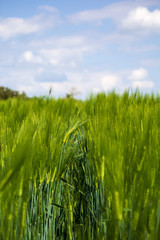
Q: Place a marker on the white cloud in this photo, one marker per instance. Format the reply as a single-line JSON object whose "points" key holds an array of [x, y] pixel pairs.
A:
{"points": [[143, 84], [21, 80], [141, 18], [83, 81], [96, 90], [75, 76], [116, 11], [138, 74], [37, 81], [57, 87], [15, 26], [127, 15], [11, 27], [110, 11], [110, 81], [28, 56], [29, 89], [54, 61], [139, 79], [61, 52], [95, 82], [64, 55]]}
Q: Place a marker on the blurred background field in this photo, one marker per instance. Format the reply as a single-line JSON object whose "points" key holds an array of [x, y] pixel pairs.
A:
{"points": [[72, 169]]}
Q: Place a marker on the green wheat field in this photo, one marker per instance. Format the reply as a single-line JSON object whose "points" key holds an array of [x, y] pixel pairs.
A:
{"points": [[73, 169]]}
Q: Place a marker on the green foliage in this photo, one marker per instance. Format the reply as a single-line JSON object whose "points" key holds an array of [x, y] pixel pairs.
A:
{"points": [[80, 170], [6, 93]]}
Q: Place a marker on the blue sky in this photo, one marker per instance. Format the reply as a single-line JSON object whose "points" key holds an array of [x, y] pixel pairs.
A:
{"points": [[90, 46]]}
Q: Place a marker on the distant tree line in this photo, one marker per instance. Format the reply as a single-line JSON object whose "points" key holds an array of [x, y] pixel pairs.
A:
{"points": [[6, 93]]}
